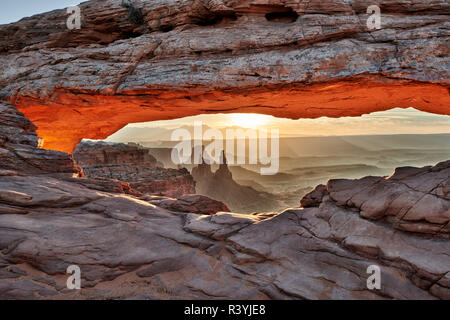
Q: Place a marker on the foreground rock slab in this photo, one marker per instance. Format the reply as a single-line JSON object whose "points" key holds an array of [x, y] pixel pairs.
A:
{"points": [[127, 247], [412, 199]]}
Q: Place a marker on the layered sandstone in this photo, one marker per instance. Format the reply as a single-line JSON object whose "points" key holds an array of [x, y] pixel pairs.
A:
{"points": [[20, 151], [197, 56], [147, 247], [99, 153], [412, 199], [220, 185], [133, 164], [179, 58]]}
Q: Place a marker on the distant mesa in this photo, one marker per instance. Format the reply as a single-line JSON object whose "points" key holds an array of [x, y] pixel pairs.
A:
{"points": [[132, 163]]}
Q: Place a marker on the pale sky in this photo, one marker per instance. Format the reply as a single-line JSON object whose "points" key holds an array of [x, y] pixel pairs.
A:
{"points": [[394, 121], [14, 10]]}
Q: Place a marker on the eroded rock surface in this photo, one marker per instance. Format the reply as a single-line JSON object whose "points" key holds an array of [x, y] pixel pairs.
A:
{"points": [[412, 199], [179, 58], [221, 186], [192, 203], [99, 153], [132, 163], [19, 148], [144, 247]]}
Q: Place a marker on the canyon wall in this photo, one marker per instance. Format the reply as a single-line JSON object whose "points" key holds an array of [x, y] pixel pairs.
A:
{"points": [[221, 186], [99, 153], [133, 164], [286, 58]]}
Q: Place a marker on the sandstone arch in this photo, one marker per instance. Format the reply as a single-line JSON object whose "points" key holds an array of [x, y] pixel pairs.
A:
{"points": [[189, 58], [198, 56], [74, 116]]}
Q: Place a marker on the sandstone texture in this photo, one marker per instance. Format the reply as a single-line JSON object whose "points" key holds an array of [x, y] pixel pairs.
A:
{"points": [[147, 247], [98, 153], [132, 163], [176, 58], [221, 186], [412, 199], [19, 149], [192, 203]]}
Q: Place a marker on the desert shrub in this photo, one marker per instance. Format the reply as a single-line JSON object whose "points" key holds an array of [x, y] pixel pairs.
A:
{"points": [[134, 14]]}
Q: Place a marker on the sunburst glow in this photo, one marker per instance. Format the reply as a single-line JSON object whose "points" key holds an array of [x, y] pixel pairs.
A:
{"points": [[249, 120]]}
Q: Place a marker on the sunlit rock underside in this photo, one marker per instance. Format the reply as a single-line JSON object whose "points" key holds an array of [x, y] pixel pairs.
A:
{"points": [[293, 59]]}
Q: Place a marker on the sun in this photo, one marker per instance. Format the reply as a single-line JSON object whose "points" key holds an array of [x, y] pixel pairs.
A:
{"points": [[248, 120]]}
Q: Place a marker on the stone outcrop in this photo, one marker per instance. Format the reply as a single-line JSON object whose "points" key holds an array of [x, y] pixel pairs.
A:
{"points": [[167, 182], [286, 58], [132, 163], [192, 203], [147, 247], [98, 153], [412, 199], [221, 186], [19, 149], [21, 154]]}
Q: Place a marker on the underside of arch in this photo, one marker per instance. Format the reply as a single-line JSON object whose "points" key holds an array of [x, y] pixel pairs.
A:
{"points": [[69, 116]]}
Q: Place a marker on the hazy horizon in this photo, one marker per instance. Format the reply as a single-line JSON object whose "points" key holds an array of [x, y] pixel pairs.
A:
{"points": [[392, 122]]}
